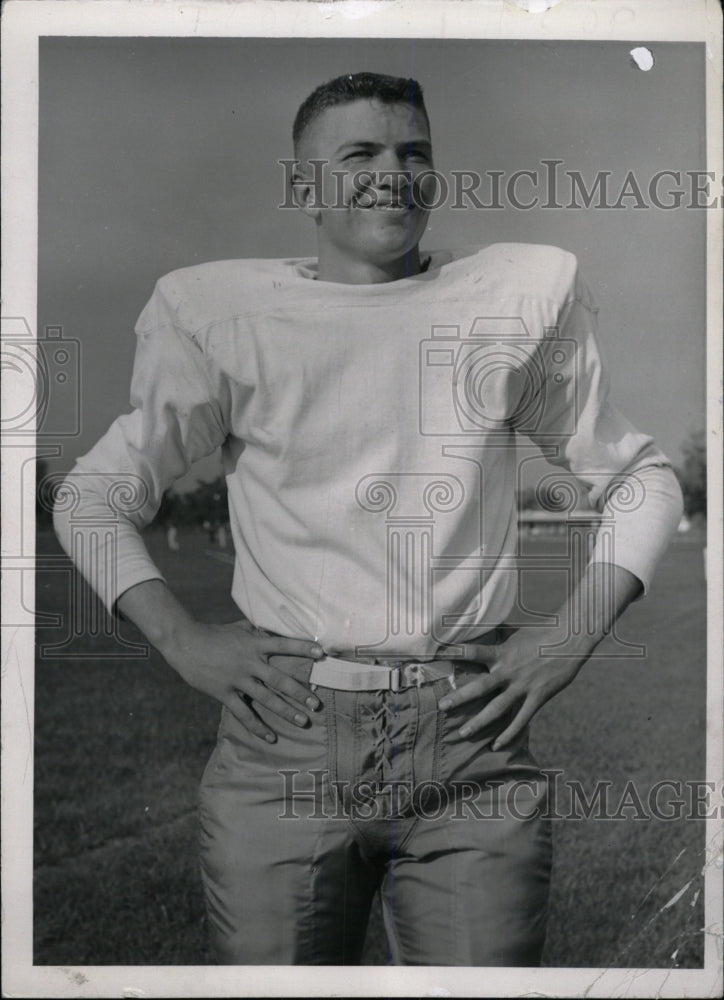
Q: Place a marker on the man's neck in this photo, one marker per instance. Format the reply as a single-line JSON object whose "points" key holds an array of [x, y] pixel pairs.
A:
{"points": [[334, 267]]}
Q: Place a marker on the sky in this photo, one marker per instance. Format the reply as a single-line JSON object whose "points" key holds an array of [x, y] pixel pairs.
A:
{"points": [[159, 153]]}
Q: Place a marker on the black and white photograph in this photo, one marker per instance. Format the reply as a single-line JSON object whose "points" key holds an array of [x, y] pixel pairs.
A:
{"points": [[361, 447]]}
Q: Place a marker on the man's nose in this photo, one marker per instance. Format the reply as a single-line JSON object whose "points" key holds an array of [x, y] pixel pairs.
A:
{"points": [[392, 174]]}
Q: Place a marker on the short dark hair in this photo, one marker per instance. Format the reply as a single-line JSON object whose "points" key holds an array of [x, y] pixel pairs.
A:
{"points": [[355, 87]]}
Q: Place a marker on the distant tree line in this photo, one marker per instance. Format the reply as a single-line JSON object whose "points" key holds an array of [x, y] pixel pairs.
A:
{"points": [[207, 503], [692, 474]]}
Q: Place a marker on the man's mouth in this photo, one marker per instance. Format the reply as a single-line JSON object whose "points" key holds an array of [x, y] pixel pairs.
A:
{"points": [[376, 204]]}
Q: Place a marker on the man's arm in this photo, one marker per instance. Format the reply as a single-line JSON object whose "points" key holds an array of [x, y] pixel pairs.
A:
{"points": [[227, 662], [628, 479], [116, 490], [525, 671]]}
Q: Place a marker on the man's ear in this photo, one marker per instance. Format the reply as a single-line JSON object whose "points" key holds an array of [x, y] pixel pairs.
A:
{"points": [[305, 192]]}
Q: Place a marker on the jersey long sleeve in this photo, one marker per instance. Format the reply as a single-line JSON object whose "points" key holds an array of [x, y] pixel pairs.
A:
{"points": [[117, 487], [368, 436], [625, 476]]}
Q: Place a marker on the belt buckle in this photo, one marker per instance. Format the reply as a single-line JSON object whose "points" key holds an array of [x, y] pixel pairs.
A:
{"points": [[415, 674], [395, 678]]}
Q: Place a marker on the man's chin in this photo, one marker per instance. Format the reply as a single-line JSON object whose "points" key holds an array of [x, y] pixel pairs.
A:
{"points": [[396, 239]]}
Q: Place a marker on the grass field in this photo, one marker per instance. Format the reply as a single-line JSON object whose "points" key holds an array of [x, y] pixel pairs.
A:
{"points": [[121, 743]]}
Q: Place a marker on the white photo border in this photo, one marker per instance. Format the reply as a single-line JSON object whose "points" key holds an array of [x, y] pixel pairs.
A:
{"points": [[24, 23]]}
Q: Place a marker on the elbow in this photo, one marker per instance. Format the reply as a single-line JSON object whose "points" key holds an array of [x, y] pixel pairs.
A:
{"points": [[679, 499], [667, 497], [675, 495]]}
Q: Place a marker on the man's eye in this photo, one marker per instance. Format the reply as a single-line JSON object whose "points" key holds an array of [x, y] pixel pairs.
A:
{"points": [[417, 154], [358, 154]]}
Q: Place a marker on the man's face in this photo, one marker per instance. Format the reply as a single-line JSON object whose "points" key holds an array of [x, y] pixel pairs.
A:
{"points": [[370, 220]]}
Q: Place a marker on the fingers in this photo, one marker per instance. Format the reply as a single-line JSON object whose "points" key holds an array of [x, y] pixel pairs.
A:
{"points": [[287, 659], [239, 708], [264, 695], [261, 693], [263, 683], [475, 688], [492, 711], [281, 646], [279, 677], [281, 658], [521, 720]]}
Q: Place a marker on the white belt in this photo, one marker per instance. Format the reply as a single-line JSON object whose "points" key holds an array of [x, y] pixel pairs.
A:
{"points": [[348, 675]]}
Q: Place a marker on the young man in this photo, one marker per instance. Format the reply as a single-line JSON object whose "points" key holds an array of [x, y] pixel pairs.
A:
{"points": [[375, 707]]}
